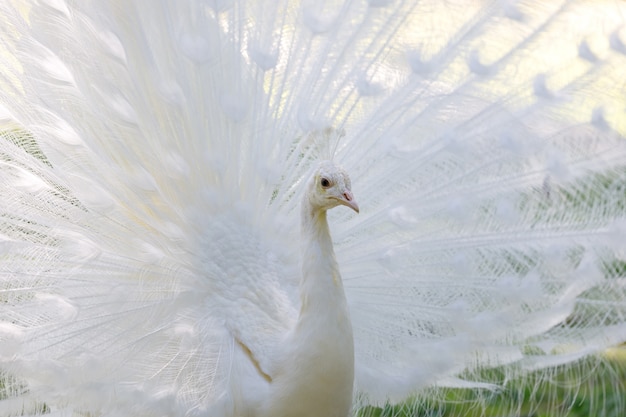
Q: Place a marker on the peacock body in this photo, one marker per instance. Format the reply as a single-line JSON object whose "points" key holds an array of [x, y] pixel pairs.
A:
{"points": [[164, 242]]}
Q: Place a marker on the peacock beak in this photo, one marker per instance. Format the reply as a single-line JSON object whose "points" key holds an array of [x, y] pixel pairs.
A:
{"points": [[349, 201]]}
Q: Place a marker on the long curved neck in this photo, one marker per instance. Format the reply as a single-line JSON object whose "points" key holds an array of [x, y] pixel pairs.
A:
{"points": [[316, 374], [320, 271]]}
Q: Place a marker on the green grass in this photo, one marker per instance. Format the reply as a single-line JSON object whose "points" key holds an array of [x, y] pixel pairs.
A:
{"points": [[595, 387]]}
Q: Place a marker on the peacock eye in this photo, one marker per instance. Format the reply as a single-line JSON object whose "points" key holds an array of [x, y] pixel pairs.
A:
{"points": [[325, 183]]}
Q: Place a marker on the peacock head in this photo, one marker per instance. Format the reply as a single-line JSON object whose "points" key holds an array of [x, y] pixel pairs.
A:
{"points": [[330, 187]]}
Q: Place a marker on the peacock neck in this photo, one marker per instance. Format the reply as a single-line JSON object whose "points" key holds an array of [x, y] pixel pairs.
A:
{"points": [[320, 271], [315, 372]]}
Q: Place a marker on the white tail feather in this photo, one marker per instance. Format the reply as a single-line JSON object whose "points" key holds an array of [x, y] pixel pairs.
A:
{"points": [[152, 166]]}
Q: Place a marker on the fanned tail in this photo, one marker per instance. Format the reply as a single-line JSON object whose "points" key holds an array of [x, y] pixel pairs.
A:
{"points": [[151, 172], [122, 165], [493, 205]]}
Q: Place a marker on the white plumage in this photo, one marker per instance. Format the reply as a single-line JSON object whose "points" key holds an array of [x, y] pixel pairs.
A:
{"points": [[156, 164]]}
